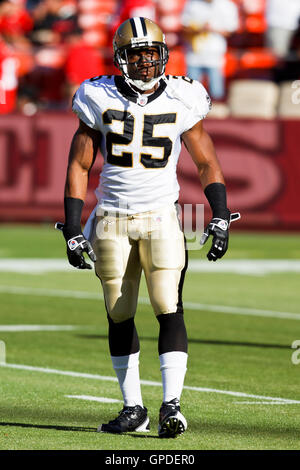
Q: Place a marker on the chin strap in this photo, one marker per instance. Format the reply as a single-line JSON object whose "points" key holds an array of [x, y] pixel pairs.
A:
{"points": [[143, 86]]}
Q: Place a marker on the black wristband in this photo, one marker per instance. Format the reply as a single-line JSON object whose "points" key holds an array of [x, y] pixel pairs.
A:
{"points": [[73, 209], [216, 196]]}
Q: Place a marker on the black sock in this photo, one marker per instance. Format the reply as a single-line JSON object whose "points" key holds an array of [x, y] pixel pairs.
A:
{"points": [[172, 333], [123, 338]]}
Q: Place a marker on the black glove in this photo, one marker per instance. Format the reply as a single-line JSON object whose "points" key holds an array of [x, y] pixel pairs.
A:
{"points": [[76, 246], [219, 229]]}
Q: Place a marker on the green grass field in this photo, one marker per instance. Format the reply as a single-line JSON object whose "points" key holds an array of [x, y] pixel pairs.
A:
{"points": [[241, 389]]}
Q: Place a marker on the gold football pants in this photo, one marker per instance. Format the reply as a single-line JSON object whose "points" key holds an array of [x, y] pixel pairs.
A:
{"points": [[127, 244]]}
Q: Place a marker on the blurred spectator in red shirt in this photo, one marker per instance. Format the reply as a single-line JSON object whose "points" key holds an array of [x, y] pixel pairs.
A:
{"points": [[14, 19], [83, 60], [15, 50], [131, 8], [8, 78], [54, 22]]}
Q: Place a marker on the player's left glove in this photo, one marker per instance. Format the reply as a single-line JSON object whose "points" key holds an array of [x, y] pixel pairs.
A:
{"points": [[219, 229]]}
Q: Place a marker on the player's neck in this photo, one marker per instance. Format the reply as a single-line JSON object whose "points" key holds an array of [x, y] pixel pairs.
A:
{"points": [[146, 92]]}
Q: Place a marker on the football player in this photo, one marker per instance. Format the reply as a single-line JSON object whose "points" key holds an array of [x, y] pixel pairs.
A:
{"points": [[138, 119]]}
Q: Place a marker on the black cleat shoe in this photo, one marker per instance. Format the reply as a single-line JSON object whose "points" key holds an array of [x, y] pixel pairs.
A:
{"points": [[130, 419], [171, 421]]}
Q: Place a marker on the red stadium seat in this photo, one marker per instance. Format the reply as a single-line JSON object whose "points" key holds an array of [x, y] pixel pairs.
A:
{"points": [[256, 24], [231, 64], [257, 58], [176, 64]]}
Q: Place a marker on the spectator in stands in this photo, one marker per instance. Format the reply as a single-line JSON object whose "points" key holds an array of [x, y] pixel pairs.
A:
{"points": [[282, 22], [83, 60], [53, 19], [14, 19], [45, 85], [206, 25], [15, 50], [8, 78], [128, 9], [31, 4]]}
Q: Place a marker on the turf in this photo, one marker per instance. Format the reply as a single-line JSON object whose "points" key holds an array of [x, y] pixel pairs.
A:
{"points": [[227, 353]]}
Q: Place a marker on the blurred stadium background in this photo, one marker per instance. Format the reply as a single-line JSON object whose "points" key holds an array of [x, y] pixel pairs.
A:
{"points": [[48, 47]]}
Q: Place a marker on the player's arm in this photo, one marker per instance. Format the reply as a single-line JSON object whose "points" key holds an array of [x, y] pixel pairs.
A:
{"points": [[202, 151], [82, 155]]}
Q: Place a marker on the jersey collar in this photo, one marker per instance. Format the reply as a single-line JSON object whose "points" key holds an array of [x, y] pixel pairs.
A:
{"points": [[131, 95]]}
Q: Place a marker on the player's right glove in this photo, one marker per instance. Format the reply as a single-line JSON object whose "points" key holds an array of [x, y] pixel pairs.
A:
{"points": [[77, 244], [219, 229]]}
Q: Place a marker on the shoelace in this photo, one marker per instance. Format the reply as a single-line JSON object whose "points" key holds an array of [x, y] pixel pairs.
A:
{"points": [[122, 413], [172, 403], [126, 411]]}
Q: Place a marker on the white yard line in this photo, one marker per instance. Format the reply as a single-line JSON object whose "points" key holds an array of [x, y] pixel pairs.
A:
{"points": [[148, 383], [287, 402], [34, 266], [256, 267], [73, 294], [22, 328], [44, 292], [236, 266], [90, 398], [242, 311]]}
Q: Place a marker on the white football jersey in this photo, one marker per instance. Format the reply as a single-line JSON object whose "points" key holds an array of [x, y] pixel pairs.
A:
{"points": [[140, 140]]}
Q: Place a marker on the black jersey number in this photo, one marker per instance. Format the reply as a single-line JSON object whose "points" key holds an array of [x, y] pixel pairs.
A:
{"points": [[150, 120], [125, 159]]}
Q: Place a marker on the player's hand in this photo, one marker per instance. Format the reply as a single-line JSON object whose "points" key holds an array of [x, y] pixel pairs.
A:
{"points": [[77, 244], [219, 229]]}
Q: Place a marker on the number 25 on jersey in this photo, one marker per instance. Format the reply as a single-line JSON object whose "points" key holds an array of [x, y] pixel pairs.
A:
{"points": [[148, 139]]}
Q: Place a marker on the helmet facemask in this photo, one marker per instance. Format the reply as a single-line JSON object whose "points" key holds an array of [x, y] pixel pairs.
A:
{"points": [[122, 62], [135, 34]]}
